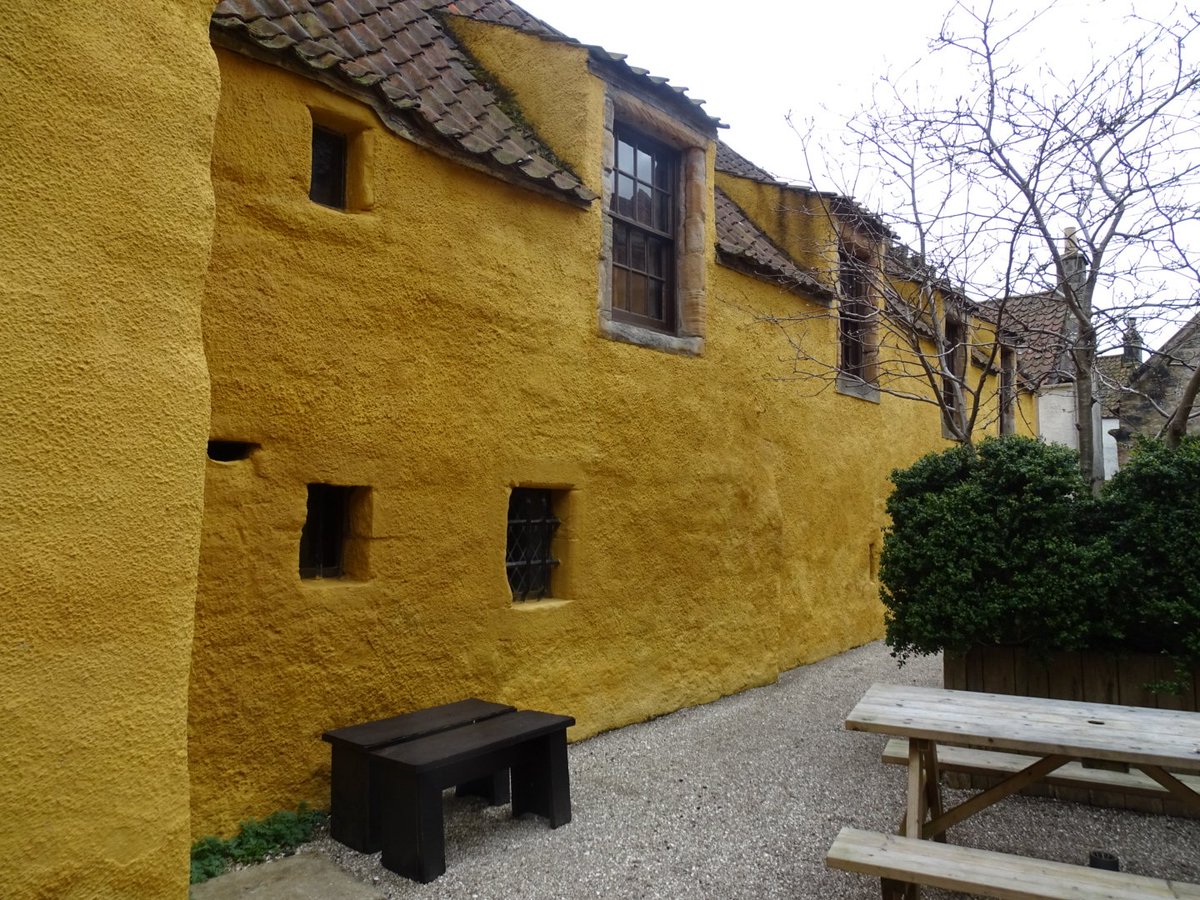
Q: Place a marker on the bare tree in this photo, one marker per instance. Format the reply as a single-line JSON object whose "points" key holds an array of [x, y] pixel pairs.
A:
{"points": [[986, 184]]}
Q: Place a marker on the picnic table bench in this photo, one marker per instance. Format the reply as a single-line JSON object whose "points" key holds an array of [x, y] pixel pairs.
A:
{"points": [[388, 776], [1043, 738]]}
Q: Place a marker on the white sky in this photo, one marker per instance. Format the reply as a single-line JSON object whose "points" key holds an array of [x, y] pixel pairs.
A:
{"points": [[756, 61]]}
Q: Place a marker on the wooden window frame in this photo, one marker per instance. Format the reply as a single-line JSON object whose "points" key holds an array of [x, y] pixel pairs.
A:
{"points": [[955, 362], [856, 321], [656, 228]]}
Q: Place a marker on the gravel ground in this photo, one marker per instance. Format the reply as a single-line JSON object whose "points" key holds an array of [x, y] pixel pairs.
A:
{"points": [[740, 799]]}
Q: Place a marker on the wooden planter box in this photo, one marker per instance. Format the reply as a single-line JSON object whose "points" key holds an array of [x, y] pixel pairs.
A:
{"points": [[1072, 675]]}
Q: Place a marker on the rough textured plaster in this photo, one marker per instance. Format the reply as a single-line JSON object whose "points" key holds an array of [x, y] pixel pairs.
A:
{"points": [[440, 349], [105, 232]]}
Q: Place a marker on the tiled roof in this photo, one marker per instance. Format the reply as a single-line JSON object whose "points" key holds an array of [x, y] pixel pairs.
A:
{"points": [[1040, 325], [1114, 373], [402, 52], [739, 242], [732, 162], [505, 12]]}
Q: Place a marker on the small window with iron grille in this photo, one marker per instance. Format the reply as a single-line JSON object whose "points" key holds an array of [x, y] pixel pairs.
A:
{"points": [[329, 160], [529, 556], [333, 540]]}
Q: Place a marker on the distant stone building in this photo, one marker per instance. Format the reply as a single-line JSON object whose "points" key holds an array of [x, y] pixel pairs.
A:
{"points": [[1140, 392]]}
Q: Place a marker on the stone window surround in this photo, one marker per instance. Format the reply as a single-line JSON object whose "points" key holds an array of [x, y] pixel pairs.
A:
{"points": [[690, 257], [846, 383]]}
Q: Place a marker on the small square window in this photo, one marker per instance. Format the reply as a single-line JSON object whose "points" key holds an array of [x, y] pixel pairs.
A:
{"points": [[529, 557], [329, 158], [332, 542]]}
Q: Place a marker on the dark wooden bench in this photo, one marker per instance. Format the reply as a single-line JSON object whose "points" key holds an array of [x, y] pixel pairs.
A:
{"points": [[988, 874], [353, 818], [409, 779]]}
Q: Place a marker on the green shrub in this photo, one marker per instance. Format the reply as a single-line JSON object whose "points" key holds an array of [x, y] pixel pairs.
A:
{"points": [[279, 834], [997, 544], [1152, 513]]}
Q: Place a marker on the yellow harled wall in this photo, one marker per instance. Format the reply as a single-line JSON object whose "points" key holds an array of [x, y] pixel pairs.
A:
{"points": [[440, 347], [106, 111]]}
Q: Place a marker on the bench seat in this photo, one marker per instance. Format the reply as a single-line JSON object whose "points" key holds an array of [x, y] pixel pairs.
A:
{"points": [[1074, 775], [409, 779], [353, 818], [990, 874]]}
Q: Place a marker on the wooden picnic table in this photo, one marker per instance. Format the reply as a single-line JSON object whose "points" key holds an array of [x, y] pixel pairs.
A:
{"points": [[1052, 733]]}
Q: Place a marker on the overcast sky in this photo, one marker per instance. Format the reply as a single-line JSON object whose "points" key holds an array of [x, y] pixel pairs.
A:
{"points": [[754, 62]]}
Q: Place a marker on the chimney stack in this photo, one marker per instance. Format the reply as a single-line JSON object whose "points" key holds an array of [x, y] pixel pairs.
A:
{"points": [[1074, 262], [1131, 353]]}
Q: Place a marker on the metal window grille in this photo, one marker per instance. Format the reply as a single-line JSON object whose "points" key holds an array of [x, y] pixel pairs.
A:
{"points": [[642, 209], [325, 528], [531, 528], [328, 184]]}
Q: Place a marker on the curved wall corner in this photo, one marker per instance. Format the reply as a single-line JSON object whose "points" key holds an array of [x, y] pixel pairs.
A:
{"points": [[106, 221]]}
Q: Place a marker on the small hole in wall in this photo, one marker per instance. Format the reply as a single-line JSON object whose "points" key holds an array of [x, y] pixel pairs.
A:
{"points": [[230, 451]]}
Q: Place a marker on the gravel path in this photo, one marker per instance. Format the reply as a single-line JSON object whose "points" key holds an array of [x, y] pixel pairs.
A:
{"points": [[740, 799]]}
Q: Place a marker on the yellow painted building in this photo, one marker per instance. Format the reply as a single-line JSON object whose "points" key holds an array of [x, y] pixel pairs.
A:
{"points": [[394, 288]]}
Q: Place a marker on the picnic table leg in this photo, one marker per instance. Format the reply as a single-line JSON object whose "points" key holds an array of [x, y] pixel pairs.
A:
{"points": [[923, 793], [541, 783], [933, 786]]}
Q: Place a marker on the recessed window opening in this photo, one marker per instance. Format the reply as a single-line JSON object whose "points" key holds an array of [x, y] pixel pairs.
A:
{"points": [[329, 159], [230, 451], [528, 558], [331, 542], [956, 361], [642, 208], [856, 316], [1008, 390]]}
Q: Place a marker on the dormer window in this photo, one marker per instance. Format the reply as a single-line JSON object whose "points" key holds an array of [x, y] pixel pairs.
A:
{"points": [[329, 159], [642, 207]]}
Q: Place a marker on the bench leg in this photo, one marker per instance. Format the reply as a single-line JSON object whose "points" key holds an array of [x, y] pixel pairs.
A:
{"points": [[541, 783], [412, 831], [351, 813], [492, 788]]}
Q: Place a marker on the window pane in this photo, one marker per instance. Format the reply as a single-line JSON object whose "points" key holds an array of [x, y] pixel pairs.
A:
{"points": [[625, 157], [620, 243], [662, 174], [645, 165], [657, 257], [644, 204], [620, 298], [637, 251], [654, 300], [662, 213], [625, 195], [637, 294]]}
